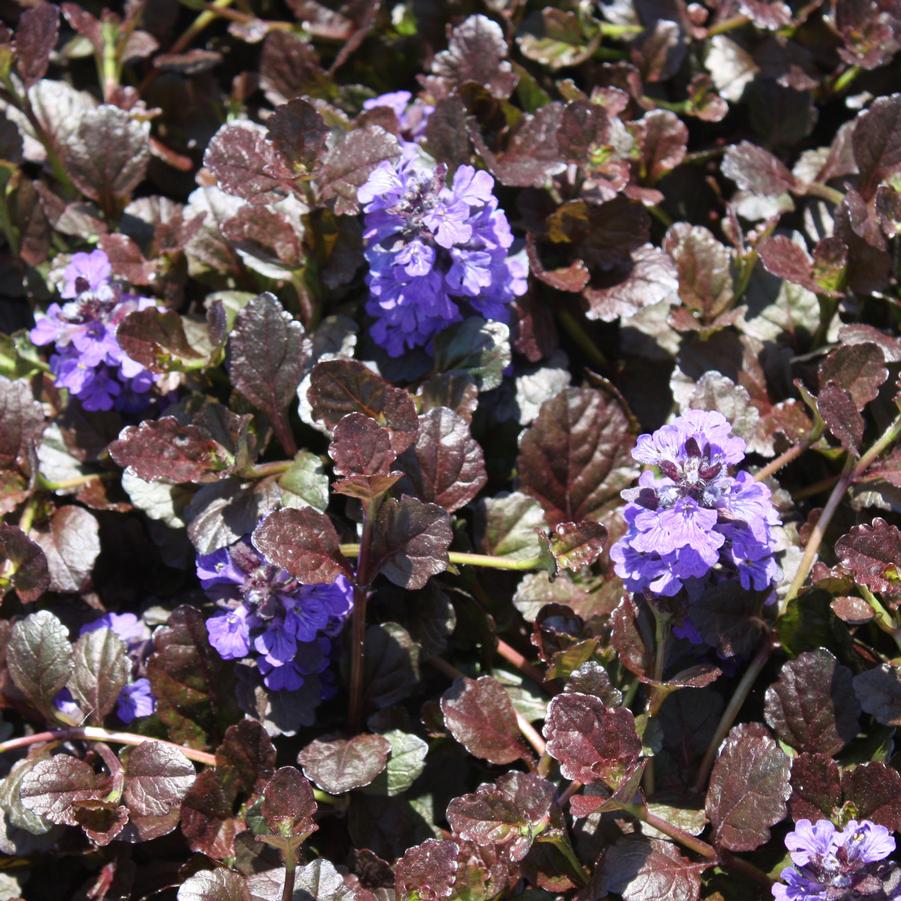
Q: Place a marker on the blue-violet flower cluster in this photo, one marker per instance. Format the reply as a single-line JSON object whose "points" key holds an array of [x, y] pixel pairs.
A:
{"points": [[136, 698], [268, 615], [838, 865], [432, 248], [87, 358], [695, 517]]}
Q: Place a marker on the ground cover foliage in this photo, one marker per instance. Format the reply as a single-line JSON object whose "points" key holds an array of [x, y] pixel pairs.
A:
{"points": [[325, 568]]}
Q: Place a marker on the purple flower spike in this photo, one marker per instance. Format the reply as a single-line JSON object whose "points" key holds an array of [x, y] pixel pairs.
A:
{"points": [[694, 519], [270, 617], [833, 865], [88, 360], [433, 248]]}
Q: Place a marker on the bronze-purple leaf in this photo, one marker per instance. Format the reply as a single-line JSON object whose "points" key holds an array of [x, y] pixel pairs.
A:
{"points": [[871, 553], [157, 778], [857, 368], [575, 458], [164, 450], [577, 544], [510, 813], [298, 132], [756, 170], [21, 421], [156, 339], [70, 546], [480, 715], [349, 163], [303, 542], [877, 143], [703, 265], [428, 870], [338, 765], [748, 788], [811, 706], [643, 869], [339, 387], [360, 446], [267, 354], [446, 465], [247, 164], [593, 743], [36, 37], [52, 786], [288, 803], [101, 672], [24, 563], [39, 657], [879, 692], [874, 789], [816, 787], [410, 542]]}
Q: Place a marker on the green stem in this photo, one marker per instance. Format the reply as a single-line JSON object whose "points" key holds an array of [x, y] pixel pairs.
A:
{"points": [[77, 482], [824, 192], [661, 216], [727, 25], [565, 849], [26, 520], [262, 470], [610, 30], [845, 79], [290, 859], [739, 696], [574, 329], [828, 309], [462, 559]]}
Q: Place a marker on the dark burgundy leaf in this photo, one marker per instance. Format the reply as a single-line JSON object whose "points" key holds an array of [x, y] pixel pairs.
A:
{"points": [[816, 788], [247, 164], [748, 788], [409, 542], [157, 778], [857, 368], [392, 664], [288, 803], [349, 163], [879, 693], [476, 52], [446, 136], [875, 791], [101, 671], [156, 339], [842, 418], [592, 679], [304, 542], [771, 15], [21, 421], [811, 706], [339, 765], [427, 871], [101, 821], [642, 869], [24, 564], [511, 813], [575, 458], [871, 554], [108, 153], [298, 133], [289, 67], [626, 637], [360, 446], [127, 261], [593, 743], [756, 170], [70, 548], [577, 544], [446, 465], [267, 355], [193, 686], [35, 39], [366, 488], [245, 760], [54, 785], [480, 715], [339, 387], [663, 138], [39, 657], [164, 450], [787, 259], [877, 143], [730, 618]]}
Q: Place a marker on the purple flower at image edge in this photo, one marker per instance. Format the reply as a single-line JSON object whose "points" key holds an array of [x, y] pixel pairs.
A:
{"points": [[434, 250], [839, 865]]}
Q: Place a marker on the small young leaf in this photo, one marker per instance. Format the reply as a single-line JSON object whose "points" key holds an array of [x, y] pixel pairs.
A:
{"points": [[305, 482], [410, 542], [288, 803], [479, 714], [360, 446], [756, 170], [871, 553], [748, 788], [593, 743], [427, 871], [298, 132], [39, 657], [340, 765], [101, 671], [577, 544], [811, 706], [303, 542]]}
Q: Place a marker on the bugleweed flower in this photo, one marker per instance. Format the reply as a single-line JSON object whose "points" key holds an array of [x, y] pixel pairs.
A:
{"points": [[136, 698], [269, 616], [412, 115], [693, 517], [833, 865], [87, 358], [434, 250]]}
